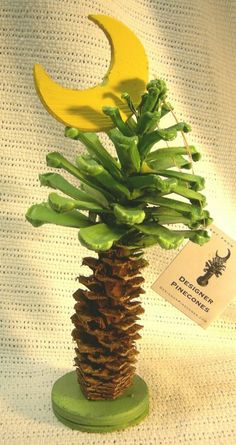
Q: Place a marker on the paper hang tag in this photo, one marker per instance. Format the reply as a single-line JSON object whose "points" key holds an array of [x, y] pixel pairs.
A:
{"points": [[201, 280]]}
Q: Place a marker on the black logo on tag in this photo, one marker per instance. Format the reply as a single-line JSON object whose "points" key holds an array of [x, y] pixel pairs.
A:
{"points": [[215, 266]]}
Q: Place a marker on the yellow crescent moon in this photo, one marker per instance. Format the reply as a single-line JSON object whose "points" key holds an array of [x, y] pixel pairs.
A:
{"points": [[128, 72]]}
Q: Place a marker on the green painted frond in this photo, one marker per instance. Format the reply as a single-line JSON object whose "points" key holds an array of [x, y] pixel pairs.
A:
{"points": [[195, 182], [114, 114], [148, 122], [152, 182], [166, 238], [57, 160], [167, 215], [130, 198], [127, 151], [166, 108], [181, 126], [150, 139], [196, 236], [189, 194], [100, 236], [40, 214], [56, 181], [164, 162], [88, 166], [196, 211], [132, 108], [95, 148], [91, 169], [184, 151], [127, 215], [206, 219], [152, 100], [96, 195], [167, 134], [63, 205]]}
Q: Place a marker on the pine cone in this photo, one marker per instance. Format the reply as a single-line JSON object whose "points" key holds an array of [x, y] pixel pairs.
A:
{"points": [[105, 323]]}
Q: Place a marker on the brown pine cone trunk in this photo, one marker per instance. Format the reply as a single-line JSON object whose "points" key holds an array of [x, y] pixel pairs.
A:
{"points": [[105, 323]]}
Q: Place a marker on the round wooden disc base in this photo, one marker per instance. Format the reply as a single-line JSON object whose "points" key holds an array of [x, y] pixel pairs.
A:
{"points": [[73, 409]]}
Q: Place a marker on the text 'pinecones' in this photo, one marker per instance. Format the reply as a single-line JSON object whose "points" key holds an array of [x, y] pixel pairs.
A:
{"points": [[105, 323]]}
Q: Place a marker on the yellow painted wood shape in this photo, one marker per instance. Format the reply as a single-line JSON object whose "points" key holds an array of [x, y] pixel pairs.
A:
{"points": [[128, 72]]}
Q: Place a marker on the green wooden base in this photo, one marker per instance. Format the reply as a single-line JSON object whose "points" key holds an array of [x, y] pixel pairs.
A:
{"points": [[73, 409]]}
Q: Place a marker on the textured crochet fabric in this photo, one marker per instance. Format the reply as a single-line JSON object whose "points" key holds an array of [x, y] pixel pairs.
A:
{"points": [[190, 372]]}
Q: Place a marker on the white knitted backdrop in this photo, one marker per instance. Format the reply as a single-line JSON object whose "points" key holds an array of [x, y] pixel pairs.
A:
{"points": [[190, 372]]}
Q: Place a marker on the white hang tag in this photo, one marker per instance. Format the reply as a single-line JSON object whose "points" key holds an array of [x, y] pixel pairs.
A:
{"points": [[201, 280]]}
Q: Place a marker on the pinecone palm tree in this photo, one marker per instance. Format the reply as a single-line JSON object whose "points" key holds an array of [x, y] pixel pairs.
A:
{"points": [[127, 210]]}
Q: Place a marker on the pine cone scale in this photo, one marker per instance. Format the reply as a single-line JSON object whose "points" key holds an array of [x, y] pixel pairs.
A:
{"points": [[105, 323]]}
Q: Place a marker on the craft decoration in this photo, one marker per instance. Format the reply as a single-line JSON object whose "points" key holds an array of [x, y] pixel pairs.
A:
{"points": [[131, 203]]}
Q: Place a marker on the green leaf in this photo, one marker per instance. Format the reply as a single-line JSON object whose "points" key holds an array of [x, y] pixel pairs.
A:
{"points": [[97, 171], [40, 214], [57, 181], [128, 215], [95, 148], [61, 204], [127, 151], [100, 237], [166, 238]]}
